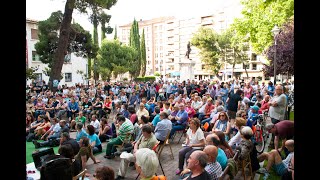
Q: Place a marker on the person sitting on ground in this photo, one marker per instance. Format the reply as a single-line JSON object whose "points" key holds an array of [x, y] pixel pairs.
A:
{"points": [[124, 134], [197, 163], [80, 132], [79, 118], [29, 121], [194, 141], [95, 123], [213, 139], [42, 128], [104, 173], [72, 109], [94, 140], [39, 120], [147, 140], [65, 139], [147, 164], [213, 167], [224, 145], [163, 127], [275, 161], [107, 105], [84, 153], [66, 151], [105, 131]]}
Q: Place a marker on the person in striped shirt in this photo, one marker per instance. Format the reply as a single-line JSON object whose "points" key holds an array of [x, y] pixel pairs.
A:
{"points": [[126, 127]]}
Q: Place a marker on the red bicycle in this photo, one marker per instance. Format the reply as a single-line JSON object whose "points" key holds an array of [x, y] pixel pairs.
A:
{"points": [[260, 135]]}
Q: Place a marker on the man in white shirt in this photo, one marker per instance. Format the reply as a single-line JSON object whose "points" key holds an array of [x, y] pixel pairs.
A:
{"points": [[95, 123]]}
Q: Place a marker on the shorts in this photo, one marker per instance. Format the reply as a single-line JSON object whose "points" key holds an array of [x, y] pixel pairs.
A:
{"points": [[280, 169], [231, 114]]}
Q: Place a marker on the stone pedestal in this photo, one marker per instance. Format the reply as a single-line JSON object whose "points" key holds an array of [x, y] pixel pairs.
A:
{"points": [[187, 70]]}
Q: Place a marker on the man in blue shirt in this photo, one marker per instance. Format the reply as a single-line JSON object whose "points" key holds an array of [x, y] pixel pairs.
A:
{"points": [[80, 132], [181, 120]]}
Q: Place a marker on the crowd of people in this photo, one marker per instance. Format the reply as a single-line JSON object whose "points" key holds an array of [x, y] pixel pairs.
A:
{"points": [[217, 117]]}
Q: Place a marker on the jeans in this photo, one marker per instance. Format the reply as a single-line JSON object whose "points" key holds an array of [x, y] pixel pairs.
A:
{"points": [[206, 120], [176, 128], [97, 149]]}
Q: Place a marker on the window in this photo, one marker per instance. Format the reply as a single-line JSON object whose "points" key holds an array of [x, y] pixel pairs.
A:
{"points": [[254, 66], [38, 77], [67, 58], [68, 77], [246, 66], [34, 34], [35, 56], [254, 57], [203, 67]]}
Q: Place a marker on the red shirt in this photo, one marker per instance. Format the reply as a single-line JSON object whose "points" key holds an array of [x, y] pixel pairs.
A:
{"points": [[285, 129]]}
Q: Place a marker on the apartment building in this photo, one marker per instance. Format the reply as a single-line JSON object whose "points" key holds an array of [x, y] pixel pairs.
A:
{"points": [[167, 39], [73, 69]]}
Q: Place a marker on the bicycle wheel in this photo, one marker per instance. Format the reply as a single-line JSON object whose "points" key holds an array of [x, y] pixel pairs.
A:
{"points": [[259, 142]]}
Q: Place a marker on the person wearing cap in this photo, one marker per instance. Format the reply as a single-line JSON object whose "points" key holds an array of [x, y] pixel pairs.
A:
{"points": [[253, 116]]}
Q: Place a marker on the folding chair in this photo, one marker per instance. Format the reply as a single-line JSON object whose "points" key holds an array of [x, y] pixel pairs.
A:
{"points": [[161, 146], [127, 139], [81, 174], [244, 164]]}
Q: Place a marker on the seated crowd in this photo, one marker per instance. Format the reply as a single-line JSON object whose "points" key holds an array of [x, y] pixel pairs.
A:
{"points": [[217, 118]]}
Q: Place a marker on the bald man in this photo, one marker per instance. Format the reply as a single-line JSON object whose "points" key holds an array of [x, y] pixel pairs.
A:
{"points": [[277, 105], [196, 163], [274, 160], [213, 167], [213, 139]]}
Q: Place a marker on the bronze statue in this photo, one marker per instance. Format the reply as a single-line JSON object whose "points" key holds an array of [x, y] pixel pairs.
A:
{"points": [[188, 50]]}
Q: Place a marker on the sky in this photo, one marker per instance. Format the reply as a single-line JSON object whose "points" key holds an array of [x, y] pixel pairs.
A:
{"points": [[126, 10]]}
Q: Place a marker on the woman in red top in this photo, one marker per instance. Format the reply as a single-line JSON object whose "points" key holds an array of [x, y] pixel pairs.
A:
{"points": [[43, 127], [107, 105]]}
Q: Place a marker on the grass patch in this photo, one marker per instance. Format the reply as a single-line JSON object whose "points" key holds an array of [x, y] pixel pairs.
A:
{"points": [[292, 115], [30, 149]]}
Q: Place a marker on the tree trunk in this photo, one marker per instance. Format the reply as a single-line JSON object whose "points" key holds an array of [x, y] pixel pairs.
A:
{"points": [[245, 69], [233, 65], [62, 44], [95, 41], [89, 67], [103, 31]]}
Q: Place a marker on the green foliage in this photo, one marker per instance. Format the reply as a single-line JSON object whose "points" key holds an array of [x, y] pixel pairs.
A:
{"points": [[117, 58], [80, 41], [104, 18], [143, 55], [149, 78], [125, 79], [259, 17], [157, 74], [30, 73], [206, 40], [137, 79], [135, 44]]}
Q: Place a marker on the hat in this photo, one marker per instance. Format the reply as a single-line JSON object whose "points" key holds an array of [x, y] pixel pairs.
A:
{"points": [[255, 107]]}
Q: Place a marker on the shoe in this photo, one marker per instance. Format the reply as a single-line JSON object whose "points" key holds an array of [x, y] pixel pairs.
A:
{"points": [[119, 177], [266, 176], [178, 171], [36, 144], [109, 157], [262, 171], [117, 153]]}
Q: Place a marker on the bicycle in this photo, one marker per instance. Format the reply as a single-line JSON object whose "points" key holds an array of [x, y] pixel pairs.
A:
{"points": [[260, 135]]}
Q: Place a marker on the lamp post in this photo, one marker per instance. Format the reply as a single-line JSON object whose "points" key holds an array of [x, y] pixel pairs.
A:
{"points": [[275, 30]]}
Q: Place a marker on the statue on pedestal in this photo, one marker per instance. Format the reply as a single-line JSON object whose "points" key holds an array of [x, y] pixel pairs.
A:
{"points": [[188, 50]]}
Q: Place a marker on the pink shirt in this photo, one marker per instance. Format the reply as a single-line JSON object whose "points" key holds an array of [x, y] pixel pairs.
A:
{"points": [[190, 109]]}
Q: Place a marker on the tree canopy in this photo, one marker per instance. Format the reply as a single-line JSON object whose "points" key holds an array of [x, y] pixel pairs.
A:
{"points": [[259, 17], [284, 54]]}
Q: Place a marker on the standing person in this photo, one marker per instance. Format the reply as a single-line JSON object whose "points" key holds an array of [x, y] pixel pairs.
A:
{"points": [[277, 105], [234, 103]]}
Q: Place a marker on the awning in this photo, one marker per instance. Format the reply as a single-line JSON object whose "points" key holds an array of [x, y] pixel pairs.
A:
{"points": [[175, 74]]}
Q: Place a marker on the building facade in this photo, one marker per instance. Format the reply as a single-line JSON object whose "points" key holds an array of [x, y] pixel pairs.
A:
{"points": [[167, 39], [73, 70]]}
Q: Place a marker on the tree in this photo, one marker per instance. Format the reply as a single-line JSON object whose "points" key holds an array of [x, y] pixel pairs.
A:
{"points": [[62, 45], [115, 58], [79, 42], [285, 52], [135, 44], [206, 40], [115, 33], [30, 73], [143, 55], [259, 17], [105, 18]]}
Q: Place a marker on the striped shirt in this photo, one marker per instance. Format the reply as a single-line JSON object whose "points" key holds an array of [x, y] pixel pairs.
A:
{"points": [[214, 170], [125, 128]]}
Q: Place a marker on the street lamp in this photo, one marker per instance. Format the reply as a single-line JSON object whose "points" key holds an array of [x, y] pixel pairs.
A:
{"points": [[275, 32]]}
